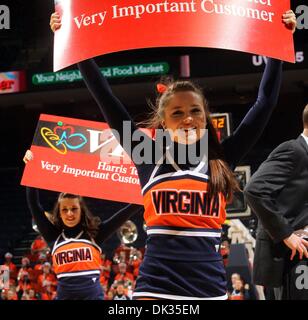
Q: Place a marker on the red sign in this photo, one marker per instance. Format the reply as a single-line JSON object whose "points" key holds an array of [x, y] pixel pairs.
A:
{"points": [[13, 81], [92, 28], [81, 157]]}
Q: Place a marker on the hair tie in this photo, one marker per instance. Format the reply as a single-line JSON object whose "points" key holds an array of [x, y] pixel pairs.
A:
{"points": [[161, 88]]}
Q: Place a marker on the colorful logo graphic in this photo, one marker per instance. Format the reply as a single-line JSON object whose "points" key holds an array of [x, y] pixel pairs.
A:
{"points": [[63, 137]]}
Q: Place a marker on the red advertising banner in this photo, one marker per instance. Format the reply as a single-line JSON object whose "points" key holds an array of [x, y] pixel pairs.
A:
{"points": [[12, 82], [96, 27], [81, 157]]}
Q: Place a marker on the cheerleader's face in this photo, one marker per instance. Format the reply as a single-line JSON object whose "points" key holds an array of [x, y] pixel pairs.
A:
{"points": [[184, 117], [70, 211]]}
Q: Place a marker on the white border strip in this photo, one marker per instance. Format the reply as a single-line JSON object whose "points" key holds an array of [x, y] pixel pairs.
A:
{"points": [[76, 274], [70, 240], [176, 174], [185, 233], [173, 297]]}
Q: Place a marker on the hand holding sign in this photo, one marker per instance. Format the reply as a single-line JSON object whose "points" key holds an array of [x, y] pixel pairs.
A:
{"points": [[230, 24], [289, 20], [28, 156], [55, 21]]}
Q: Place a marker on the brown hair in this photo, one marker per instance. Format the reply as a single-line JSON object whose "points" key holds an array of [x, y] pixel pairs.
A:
{"points": [[88, 222], [222, 179], [305, 117]]}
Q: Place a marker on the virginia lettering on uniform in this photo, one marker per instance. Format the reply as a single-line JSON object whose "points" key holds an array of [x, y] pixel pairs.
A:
{"points": [[73, 255], [185, 202]]}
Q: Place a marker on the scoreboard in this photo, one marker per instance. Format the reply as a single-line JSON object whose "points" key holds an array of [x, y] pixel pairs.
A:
{"points": [[222, 124], [238, 208]]}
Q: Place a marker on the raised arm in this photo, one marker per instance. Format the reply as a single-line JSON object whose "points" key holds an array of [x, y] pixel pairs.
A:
{"points": [[46, 228], [112, 109], [49, 232], [109, 226], [252, 126]]}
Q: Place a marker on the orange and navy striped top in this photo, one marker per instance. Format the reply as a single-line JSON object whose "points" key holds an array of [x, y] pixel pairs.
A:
{"points": [[73, 257]]}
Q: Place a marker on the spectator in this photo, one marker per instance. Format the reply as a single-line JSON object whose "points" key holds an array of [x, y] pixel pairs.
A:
{"points": [[25, 296], [11, 294], [120, 292], [42, 258], [135, 260], [225, 251], [106, 266], [109, 295], [123, 252], [47, 283], [3, 295], [103, 281], [38, 268], [33, 295], [13, 269], [234, 278], [240, 290], [38, 246], [24, 276], [119, 257], [130, 290], [123, 275]]}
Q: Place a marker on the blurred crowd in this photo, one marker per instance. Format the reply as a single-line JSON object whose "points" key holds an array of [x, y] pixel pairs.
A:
{"points": [[35, 279]]}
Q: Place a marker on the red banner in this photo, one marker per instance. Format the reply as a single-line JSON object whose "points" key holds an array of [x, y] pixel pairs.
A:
{"points": [[13, 81], [81, 157], [92, 28]]}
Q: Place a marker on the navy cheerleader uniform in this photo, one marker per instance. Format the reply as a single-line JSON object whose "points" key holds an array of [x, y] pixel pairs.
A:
{"points": [[182, 259], [76, 256]]}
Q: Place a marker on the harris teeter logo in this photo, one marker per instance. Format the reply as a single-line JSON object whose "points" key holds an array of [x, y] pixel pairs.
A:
{"points": [[63, 137]]}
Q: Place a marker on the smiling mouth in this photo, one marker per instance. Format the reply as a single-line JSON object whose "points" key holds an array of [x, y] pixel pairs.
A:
{"points": [[189, 129], [190, 134]]}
